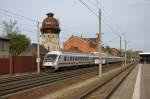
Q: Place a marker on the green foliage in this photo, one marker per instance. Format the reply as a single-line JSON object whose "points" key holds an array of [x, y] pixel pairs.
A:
{"points": [[10, 26], [108, 50], [18, 43]]}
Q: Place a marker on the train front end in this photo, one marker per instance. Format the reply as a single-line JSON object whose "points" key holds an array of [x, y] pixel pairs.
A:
{"points": [[50, 60]]}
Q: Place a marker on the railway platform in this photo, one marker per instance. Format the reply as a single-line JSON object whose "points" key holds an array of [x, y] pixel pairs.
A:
{"points": [[136, 85]]}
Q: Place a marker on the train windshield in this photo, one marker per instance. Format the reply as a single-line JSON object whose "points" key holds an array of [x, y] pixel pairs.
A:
{"points": [[50, 57]]}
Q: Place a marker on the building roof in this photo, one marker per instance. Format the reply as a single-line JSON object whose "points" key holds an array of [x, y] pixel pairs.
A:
{"points": [[93, 40], [4, 39], [50, 24], [72, 49], [145, 53]]}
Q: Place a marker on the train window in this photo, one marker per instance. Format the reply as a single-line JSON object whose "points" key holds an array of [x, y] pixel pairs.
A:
{"points": [[65, 58], [77, 58], [86, 58], [71, 58], [68, 58], [51, 57]]}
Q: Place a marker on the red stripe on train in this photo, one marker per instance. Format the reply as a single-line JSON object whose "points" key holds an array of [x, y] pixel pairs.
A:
{"points": [[73, 62]]}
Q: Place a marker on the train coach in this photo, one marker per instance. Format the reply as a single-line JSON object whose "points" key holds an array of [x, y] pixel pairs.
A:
{"points": [[57, 59]]}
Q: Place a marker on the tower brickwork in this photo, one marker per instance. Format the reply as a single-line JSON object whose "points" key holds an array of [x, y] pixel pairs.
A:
{"points": [[50, 33]]}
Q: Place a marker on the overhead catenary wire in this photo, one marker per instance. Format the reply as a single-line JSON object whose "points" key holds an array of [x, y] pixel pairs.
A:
{"points": [[113, 31], [99, 6], [94, 12], [89, 8], [106, 12], [24, 17], [110, 41]]}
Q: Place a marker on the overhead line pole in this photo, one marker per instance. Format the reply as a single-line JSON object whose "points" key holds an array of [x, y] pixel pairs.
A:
{"points": [[120, 47], [100, 46], [125, 52], [38, 49]]}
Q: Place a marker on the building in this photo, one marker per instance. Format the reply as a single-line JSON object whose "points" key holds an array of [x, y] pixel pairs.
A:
{"points": [[4, 48], [144, 58], [31, 50], [50, 33], [72, 49], [85, 45], [114, 52]]}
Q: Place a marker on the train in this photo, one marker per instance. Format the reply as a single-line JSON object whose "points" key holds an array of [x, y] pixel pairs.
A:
{"points": [[57, 59]]}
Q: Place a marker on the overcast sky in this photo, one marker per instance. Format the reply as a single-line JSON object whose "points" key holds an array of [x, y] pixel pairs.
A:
{"points": [[130, 18]]}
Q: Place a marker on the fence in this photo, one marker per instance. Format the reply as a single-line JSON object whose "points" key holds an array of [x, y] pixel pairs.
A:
{"points": [[18, 64]]}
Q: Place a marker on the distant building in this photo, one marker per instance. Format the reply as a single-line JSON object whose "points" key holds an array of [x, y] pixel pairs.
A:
{"points": [[145, 57], [72, 49], [31, 50], [50, 33], [85, 45], [4, 48], [114, 52]]}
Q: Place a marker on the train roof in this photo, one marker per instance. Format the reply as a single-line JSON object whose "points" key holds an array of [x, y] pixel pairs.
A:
{"points": [[67, 53], [79, 54]]}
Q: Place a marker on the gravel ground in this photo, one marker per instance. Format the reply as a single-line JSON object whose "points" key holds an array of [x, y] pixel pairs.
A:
{"points": [[61, 88]]}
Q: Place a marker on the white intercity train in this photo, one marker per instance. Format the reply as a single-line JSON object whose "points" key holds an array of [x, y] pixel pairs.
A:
{"points": [[57, 59]]}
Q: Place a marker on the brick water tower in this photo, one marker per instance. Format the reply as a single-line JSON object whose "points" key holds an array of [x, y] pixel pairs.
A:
{"points": [[50, 33]]}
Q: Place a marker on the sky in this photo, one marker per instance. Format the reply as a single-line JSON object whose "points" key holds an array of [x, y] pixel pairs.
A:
{"points": [[128, 18]]}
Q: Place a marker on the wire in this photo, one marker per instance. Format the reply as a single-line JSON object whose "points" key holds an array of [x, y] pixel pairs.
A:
{"points": [[110, 28], [87, 7], [17, 21], [6, 11], [109, 16], [110, 40], [23, 29], [93, 4], [113, 31]]}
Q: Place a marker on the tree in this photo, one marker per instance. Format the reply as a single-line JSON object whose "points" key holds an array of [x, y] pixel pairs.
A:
{"points": [[18, 43], [108, 50], [10, 26]]}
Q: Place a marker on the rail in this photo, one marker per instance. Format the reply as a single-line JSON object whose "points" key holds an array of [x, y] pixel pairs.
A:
{"points": [[105, 81]]}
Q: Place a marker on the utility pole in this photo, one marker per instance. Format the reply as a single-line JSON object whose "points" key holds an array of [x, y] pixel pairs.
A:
{"points": [[100, 64], [120, 47], [38, 49], [125, 52], [10, 64]]}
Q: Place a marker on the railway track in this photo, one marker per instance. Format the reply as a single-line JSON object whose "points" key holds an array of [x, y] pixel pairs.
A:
{"points": [[107, 87], [9, 86]]}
